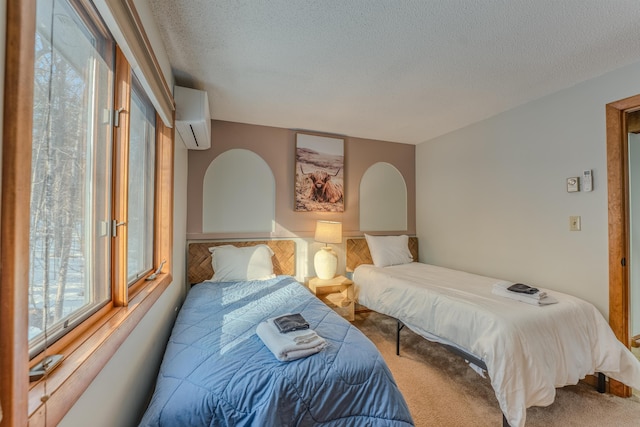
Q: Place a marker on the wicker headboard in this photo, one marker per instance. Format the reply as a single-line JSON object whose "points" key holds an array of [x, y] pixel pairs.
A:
{"points": [[199, 266], [358, 252]]}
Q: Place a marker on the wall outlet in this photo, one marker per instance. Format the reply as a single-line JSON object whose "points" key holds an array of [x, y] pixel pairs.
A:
{"points": [[574, 223]]}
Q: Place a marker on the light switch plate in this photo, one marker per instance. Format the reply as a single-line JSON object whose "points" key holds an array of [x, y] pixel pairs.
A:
{"points": [[573, 184], [574, 223]]}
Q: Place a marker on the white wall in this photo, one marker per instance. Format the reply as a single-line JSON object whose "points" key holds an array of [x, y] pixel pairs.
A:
{"points": [[383, 199], [491, 198], [246, 184], [119, 394]]}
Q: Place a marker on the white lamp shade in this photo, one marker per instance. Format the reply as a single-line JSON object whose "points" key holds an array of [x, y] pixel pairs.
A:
{"points": [[325, 263], [328, 232]]}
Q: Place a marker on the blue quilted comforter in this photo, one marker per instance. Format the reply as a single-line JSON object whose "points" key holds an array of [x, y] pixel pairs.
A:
{"points": [[217, 372]]}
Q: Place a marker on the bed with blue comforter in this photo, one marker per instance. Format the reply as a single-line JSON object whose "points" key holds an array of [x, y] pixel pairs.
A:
{"points": [[217, 372]]}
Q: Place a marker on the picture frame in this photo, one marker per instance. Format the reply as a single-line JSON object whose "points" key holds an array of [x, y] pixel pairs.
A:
{"points": [[319, 173]]}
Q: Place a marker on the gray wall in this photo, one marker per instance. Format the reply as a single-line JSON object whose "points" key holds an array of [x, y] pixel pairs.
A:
{"points": [[491, 198]]}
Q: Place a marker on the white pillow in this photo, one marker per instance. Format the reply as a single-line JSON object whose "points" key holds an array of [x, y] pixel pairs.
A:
{"points": [[389, 250], [232, 264]]}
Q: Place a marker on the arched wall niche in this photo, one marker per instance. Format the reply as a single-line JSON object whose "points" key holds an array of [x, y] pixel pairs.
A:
{"points": [[276, 146], [383, 199], [238, 194]]}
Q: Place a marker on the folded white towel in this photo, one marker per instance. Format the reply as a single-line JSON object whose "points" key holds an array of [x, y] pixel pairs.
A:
{"points": [[291, 345], [505, 286], [546, 300]]}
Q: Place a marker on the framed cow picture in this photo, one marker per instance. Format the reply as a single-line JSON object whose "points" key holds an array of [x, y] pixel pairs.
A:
{"points": [[319, 176]]}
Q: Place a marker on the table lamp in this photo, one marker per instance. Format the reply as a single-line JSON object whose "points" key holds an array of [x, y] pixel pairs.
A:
{"points": [[325, 261]]}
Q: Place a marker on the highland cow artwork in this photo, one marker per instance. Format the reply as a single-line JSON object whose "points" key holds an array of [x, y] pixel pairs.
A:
{"points": [[319, 174]]}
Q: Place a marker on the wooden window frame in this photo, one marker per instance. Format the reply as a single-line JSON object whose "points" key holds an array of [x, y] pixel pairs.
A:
{"points": [[618, 206], [120, 179], [91, 345]]}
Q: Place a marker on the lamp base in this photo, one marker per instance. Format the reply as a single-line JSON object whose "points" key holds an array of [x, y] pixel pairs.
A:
{"points": [[325, 263]]}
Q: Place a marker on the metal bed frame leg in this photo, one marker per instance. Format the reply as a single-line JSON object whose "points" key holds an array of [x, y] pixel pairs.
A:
{"points": [[602, 383], [400, 326], [470, 357], [601, 377]]}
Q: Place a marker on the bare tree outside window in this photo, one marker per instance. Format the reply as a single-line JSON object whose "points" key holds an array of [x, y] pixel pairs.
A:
{"points": [[141, 187], [70, 174]]}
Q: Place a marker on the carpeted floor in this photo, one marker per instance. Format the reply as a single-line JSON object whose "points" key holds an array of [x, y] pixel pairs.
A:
{"points": [[441, 390]]}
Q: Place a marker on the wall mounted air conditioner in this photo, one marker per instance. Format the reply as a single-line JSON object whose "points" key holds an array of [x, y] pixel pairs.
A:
{"points": [[193, 121]]}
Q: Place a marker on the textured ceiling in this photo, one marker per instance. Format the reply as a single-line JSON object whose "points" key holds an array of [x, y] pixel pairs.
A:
{"points": [[396, 70]]}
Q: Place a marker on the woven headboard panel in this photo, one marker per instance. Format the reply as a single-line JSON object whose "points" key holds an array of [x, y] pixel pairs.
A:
{"points": [[199, 266], [358, 252]]}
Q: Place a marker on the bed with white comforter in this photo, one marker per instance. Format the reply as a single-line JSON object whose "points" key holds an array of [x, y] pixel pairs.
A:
{"points": [[528, 350]]}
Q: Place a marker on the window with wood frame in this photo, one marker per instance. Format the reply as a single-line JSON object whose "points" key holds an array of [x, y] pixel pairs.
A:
{"points": [[70, 231], [92, 176], [64, 286]]}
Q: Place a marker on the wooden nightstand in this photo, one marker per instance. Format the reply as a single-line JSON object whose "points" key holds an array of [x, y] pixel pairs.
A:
{"points": [[337, 293]]}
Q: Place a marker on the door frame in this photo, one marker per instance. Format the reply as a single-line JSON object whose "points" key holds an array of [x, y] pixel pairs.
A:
{"points": [[618, 200]]}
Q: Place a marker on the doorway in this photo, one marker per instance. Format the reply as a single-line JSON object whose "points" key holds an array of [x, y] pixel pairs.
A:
{"points": [[633, 146], [619, 115]]}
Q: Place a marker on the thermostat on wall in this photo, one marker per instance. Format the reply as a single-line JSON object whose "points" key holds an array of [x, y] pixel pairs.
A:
{"points": [[573, 184]]}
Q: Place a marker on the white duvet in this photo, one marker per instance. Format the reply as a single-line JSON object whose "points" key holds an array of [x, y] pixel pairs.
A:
{"points": [[528, 350]]}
